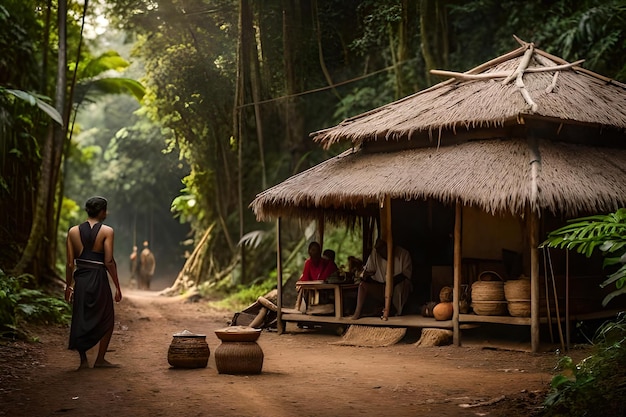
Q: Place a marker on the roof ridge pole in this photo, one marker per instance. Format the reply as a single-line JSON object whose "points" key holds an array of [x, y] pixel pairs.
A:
{"points": [[533, 212]]}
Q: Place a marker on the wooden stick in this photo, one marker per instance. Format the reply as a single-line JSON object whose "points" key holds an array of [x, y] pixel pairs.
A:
{"points": [[502, 74], [469, 77], [556, 303], [520, 84], [555, 67], [483, 403], [523, 64], [552, 85], [545, 280]]}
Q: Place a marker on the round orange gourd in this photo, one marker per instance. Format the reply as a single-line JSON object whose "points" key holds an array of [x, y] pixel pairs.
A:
{"points": [[443, 311]]}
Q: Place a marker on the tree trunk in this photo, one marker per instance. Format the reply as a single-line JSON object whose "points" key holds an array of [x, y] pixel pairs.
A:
{"points": [[52, 147], [292, 121], [237, 128], [434, 35]]}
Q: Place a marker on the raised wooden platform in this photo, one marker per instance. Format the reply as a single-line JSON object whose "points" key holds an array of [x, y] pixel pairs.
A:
{"points": [[418, 321]]}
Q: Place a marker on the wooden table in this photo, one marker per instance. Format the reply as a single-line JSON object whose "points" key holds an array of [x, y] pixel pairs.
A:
{"points": [[321, 285]]}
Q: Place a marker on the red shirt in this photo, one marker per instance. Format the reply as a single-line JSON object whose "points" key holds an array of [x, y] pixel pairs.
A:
{"points": [[314, 271]]}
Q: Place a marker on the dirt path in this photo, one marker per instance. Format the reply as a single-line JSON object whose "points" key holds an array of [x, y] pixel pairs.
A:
{"points": [[303, 375]]}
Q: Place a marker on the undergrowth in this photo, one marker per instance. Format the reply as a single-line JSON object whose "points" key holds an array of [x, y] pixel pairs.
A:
{"points": [[244, 295], [20, 305], [595, 386]]}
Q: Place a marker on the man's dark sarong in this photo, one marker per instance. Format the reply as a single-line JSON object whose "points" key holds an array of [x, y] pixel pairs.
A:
{"points": [[93, 314]]}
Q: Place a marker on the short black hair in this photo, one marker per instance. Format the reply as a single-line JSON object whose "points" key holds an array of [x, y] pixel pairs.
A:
{"points": [[95, 205]]}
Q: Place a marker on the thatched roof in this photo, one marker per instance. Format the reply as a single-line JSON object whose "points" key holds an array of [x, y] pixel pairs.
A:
{"points": [[495, 175], [488, 97], [504, 164]]}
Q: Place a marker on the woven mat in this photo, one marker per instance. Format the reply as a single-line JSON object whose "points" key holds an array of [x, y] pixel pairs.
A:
{"points": [[371, 336]]}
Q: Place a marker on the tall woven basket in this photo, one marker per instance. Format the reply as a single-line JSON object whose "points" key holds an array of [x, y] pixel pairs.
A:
{"points": [[488, 295], [238, 353], [517, 294]]}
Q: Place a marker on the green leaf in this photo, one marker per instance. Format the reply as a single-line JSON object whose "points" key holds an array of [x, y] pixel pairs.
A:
{"points": [[33, 100], [559, 381], [612, 295]]}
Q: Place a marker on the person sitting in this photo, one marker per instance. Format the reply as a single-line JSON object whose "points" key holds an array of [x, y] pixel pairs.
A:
{"points": [[372, 286], [331, 269], [316, 268]]}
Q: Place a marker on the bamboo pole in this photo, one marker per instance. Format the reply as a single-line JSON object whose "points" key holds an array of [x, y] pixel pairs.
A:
{"points": [[279, 278], [456, 333], [567, 316], [388, 236], [534, 280]]}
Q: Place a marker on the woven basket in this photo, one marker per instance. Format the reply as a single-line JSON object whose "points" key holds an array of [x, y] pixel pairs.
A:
{"points": [[519, 308], [445, 295], [188, 351], [239, 358], [487, 289], [517, 289], [490, 308]]}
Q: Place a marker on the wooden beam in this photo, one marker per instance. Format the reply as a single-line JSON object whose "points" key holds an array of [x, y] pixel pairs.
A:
{"points": [[456, 333], [320, 230], [279, 278], [533, 232], [388, 236]]}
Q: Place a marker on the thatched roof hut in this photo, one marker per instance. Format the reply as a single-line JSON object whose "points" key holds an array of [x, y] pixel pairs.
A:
{"points": [[438, 144], [526, 133]]}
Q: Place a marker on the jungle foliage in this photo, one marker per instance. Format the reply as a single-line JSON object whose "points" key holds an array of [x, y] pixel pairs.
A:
{"points": [[597, 384], [21, 303], [604, 233]]}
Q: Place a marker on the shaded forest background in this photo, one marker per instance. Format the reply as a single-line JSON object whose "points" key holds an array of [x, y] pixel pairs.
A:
{"points": [[180, 112]]}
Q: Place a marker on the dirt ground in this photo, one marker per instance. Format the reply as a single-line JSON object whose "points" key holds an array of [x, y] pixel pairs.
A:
{"points": [[303, 374]]}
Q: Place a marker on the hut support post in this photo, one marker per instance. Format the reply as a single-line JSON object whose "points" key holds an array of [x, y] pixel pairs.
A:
{"points": [[388, 237], [534, 280], [320, 230], [456, 333], [279, 284]]}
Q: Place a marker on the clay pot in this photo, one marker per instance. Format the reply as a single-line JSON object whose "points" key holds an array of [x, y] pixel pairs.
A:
{"points": [[443, 311], [188, 350]]}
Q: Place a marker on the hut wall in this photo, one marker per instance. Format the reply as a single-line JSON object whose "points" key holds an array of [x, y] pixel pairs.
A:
{"points": [[493, 242]]}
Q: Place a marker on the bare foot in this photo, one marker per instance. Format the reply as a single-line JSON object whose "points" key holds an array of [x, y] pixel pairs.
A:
{"points": [[355, 317], [105, 364], [83, 365]]}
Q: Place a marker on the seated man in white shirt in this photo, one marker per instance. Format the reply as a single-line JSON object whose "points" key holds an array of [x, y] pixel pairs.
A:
{"points": [[372, 284]]}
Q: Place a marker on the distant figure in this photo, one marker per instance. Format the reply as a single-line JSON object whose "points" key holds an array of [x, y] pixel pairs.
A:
{"points": [[147, 264], [134, 266]]}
